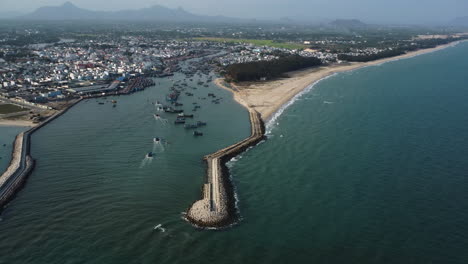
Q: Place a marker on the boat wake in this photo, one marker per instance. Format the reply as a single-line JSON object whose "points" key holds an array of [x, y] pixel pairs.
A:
{"points": [[146, 161], [160, 119], [158, 147]]}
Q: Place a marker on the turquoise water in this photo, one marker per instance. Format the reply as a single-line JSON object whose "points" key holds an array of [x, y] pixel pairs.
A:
{"points": [[7, 137], [368, 167]]}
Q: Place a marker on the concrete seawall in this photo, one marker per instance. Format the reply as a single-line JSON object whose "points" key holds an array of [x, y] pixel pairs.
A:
{"points": [[22, 163], [217, 205]]}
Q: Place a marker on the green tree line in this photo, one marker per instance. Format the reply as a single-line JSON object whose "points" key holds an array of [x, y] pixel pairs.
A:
{"points": [[253, 71]]}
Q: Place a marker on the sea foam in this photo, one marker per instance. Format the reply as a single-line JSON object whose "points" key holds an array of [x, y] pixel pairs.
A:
{"points": [[271, 123]]}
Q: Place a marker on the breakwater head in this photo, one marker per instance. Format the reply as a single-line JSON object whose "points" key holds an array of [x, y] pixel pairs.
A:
{"points": [[216, 208]]}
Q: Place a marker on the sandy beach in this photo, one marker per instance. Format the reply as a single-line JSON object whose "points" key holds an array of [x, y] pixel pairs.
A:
{"points": [[267, 97]]}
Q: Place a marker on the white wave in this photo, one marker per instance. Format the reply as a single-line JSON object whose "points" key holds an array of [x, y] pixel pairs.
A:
{"points": [[273, 120], [160, 228]]}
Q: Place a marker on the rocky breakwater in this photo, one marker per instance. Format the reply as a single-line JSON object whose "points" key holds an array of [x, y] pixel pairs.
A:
{"points": [[217, 207], [20, 166]]}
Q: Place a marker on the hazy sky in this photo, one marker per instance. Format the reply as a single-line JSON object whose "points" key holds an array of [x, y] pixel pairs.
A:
{"points": [[403, 11]]}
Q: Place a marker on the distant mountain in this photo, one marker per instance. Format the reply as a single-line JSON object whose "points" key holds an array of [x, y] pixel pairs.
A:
{"points": [[63, 12], [69, 11], [460, 21], [348, 24]]}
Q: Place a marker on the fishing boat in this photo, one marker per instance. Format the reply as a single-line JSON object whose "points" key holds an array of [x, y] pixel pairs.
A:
{"points": [[179, 121], [173, 111], [190, 126], [197, 133], [172, 96], [185, 115]]}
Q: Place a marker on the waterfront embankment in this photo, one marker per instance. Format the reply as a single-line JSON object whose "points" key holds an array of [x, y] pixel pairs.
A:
{"points": [[267, 97], [217, 207]]}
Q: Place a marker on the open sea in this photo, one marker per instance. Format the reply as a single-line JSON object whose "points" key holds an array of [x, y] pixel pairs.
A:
{"points": [[369, 166]]}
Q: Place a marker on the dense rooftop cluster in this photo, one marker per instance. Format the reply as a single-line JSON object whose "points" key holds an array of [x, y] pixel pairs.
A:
{"points": [[40, 63]]}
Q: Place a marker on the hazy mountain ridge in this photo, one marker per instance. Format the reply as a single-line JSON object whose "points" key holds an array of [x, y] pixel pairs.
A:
{"points": [[69, 11]]}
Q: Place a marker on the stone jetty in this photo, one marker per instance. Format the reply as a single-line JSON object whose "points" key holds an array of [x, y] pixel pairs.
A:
{"points": [[217, 206]]}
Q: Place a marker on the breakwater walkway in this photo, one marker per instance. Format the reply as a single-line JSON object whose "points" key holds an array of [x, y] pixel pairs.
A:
{"points": [[217, 206]]}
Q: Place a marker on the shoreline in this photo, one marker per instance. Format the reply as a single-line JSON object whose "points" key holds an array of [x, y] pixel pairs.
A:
{"points": [[269, 97], [213, 212]]}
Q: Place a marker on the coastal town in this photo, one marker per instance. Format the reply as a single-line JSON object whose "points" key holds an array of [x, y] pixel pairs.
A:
{"points": [[47, 76]]}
